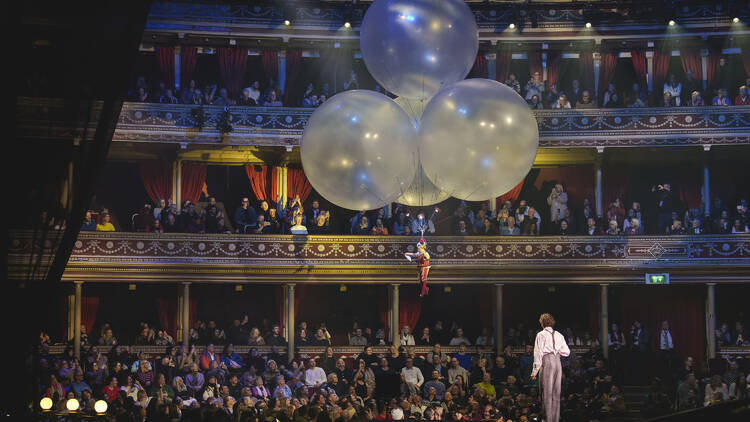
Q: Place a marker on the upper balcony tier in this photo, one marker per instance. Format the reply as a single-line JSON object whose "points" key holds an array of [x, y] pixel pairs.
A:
{"points": [[164, 258], [269, 126]]}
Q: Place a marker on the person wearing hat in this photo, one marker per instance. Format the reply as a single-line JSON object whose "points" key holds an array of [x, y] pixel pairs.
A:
{"points": [[423, 264]]}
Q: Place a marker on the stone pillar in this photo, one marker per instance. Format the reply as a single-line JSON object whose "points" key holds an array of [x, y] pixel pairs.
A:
{"points": [[704, 67], [394, 310], [282, 72], [77, 321], [598, 188], [177, 69], [185, 313], [706, 190], [290, 321], [597, 67], [71, 316], [711, 320], [491, 66], [604, 319], [499, 318], [650, 70], [178, 184]]}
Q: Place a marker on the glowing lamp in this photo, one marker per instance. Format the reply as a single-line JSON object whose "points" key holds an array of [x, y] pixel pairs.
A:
{"points": [[512, 26], [588, 24], [736, 20], [100, 406], [347, 25], [72, 405], [672, 23], [287, 22], [45, 403]]}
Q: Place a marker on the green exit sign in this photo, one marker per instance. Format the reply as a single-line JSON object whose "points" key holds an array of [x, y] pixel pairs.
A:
{"points": [[657, 278]]}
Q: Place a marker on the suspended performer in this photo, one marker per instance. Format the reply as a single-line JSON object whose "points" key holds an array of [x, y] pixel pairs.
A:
{"points": [[548, 348], [423, 264]]}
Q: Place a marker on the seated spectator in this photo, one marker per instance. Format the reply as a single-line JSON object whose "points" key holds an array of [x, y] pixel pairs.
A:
{"points": [[551, 96], [322, 98], [562, 102], [144, 220], [696, 227], [246, 99], [187, 92], [563, 231], [513, 82], [378, 229], [716, 391], [674, 88], [575, 93], [689, 86], [245, 217], [106, 224], [209, 92], [721, 98], [530, 223], [742, 97], [298, 227], [535, 103], [254, 90], [613, 229], [310, 101], [640, 101], [633, 227], [273, 100], [696, 100], [168, 97], [535, 86], [142, 96], [89, 224], [610, 98], [739, 226], [263, 226], [510, 229], [459, 338], [667, 100], [586, 101], [223, 98]]}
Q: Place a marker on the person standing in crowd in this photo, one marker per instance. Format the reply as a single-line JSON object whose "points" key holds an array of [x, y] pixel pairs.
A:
{"points": [[549, 346], [558, 202]]}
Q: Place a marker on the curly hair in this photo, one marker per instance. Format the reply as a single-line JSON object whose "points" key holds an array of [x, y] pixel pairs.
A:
{"points": [[547, 320]]}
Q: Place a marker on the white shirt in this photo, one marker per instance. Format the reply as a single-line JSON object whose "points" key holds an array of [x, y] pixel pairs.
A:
{"points": [[665, 340], [544, 345], [456, 341], [407, 340], [412, 376], [315, 376]]}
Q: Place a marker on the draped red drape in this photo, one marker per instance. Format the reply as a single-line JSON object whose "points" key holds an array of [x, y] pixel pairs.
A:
{"points": [[577, 180], [614, 183], [535, 62], [511, 195], [502, 68], [691, 60], [193, 304], [714, 54], [270, 60], [297, 184], [606, 72], [89, 308], [653, 304], [232, 65], [661, 67], [691, 180], [586, 63], [293, 66], [479, 70], [157, 179], [188, 63], [746, 63], [274, 185], [410, 306], [553, 66], [167, 311], [165, 59], [258, 176], [639, 64], [193, 179]]}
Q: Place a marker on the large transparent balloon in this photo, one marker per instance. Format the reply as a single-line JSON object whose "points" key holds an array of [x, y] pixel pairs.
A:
{"points": [[415, 47], [478, 139], [421, 191], [359, 150]]}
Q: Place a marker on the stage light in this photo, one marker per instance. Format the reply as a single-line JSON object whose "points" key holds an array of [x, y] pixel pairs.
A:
{"points": [[100, 406], [588, 24], [736, 20], [72, 405], [287, 22], [45, 403], [512, 26], [672, 23], [347, 25]]}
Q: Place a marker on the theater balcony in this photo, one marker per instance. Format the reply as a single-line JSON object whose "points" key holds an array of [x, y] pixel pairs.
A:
{"points": [[170, 258], [187, 125]]}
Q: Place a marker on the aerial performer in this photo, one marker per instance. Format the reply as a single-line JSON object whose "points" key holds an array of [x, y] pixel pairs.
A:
{"points": [[423, 264], [548, 348]]}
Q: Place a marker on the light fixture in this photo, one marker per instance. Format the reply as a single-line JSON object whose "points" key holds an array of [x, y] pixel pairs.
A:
{"points": [[45, 403], [588, 24], [672, 22], [347, 25], [72, 405], [736, 20], [512, 26], [100, 406], [287, 22]]}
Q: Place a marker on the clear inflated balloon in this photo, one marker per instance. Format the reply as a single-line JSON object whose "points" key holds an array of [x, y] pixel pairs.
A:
{"points": [[413, 107], [415, 47], [478, 139], [359, 150]]}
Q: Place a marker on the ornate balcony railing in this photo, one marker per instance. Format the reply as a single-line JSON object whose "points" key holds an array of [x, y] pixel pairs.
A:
{"points": [[184, 124], [132, 257]]}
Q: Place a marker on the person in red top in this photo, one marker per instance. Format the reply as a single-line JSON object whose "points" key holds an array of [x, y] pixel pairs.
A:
{"points": [[110, 390], [208, 356], [742, 97], [55, 388], [423, 264]]}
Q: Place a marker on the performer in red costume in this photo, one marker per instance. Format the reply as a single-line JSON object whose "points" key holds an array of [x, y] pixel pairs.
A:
{"points": [[423, 264]]}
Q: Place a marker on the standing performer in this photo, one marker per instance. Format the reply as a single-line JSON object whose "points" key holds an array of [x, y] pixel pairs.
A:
{"points": [[423, 264], [548, 348]]}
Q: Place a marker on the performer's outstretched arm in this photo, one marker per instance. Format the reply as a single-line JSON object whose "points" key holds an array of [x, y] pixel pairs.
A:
{"points": [[538, 345]]}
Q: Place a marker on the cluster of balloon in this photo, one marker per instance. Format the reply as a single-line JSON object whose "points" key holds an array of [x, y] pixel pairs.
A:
{"points": [[476, 139]]}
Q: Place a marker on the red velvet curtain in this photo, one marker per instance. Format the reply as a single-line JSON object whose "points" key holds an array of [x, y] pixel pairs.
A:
{"points": [[714, 54], [606, 72], [89, 308], [274, 185], [297, 184], [167, 311], [258, 176], [193, 179], [188, 63], [165, 59], [639, 64], [661, 67], [746, 63], [614, 184], [270, 60], [554, 58], [586, 63], [691, 180], [293, 65], [511, 195], [410, 306], [232, 65], [479, 70], [157, 179], [691, 60], [535, 62], [577, 180], [682, 306], [502, 67]]}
